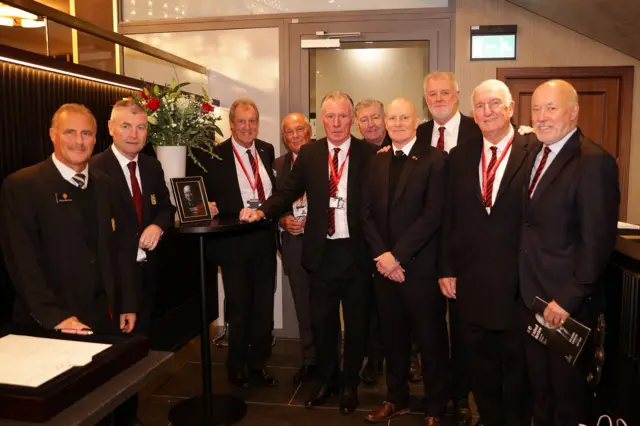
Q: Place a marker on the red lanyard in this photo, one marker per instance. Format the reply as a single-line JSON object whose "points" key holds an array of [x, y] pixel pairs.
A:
{"points": [[253, 184], [337, 176], [488, 174]]}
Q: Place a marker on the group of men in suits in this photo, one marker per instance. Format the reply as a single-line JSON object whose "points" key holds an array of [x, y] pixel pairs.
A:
{"points": [[79, 233]]}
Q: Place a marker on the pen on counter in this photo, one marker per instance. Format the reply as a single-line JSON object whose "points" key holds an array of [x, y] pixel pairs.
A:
{"points": [[82, 331]]}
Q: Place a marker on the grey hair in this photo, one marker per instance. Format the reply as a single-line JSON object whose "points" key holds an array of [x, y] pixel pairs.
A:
{"points": [[441, 75], [365, 103], [490, 84], [337, 95]]}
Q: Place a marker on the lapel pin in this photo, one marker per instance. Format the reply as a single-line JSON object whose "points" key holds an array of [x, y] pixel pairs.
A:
{"points": [[63, 197], [414, 157], [153, 200]]}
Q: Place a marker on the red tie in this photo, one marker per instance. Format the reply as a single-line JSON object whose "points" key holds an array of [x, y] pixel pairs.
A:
{"points": [[536, 176], [136, 193], [259, 186], [440, 144], [491, 175], [333, 190]]}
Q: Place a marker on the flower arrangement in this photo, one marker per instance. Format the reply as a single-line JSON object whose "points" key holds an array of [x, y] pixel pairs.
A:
{"points": [[180, 119]]}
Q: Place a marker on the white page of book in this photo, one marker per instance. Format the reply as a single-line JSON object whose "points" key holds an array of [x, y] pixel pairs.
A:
{"points": [[31, 361]]}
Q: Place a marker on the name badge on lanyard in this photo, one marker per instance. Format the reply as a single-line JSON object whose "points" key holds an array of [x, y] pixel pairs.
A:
{"points": [[254, 202], [335, 201]]}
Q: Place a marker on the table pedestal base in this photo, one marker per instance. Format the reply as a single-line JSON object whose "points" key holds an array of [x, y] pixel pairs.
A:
{"points": [[225, 410]]}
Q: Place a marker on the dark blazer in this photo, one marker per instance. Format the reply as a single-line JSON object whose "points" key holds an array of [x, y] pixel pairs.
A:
{"points": [[282, 170], [570, 228], [46, 252], [480, 249], [310, 175], [411, 225], [156, 208], [468, 130]]}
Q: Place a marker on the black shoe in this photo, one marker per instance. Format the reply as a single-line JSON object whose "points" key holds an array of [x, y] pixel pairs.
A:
{"points": [[348, 400], [462, 410], [371, 372], [306, 372], [320, 395], [263, 377], [238, 379]]}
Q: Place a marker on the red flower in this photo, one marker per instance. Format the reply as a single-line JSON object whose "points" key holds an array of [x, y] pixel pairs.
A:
{"points": [[206, 108], [153, 104], [144, 95]]}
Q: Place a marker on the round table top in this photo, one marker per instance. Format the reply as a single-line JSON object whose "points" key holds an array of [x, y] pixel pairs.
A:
{"points": [[218, 224]]}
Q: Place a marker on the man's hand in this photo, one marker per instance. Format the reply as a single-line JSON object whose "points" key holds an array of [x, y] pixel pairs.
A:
{"points": [[214, 208], [397, 275], [385, 149], [72, 325], [127, 322], [525, 130], [250, 215], [555, 315], [448, 287], [150, 237], [386, 263], [292, 225]]}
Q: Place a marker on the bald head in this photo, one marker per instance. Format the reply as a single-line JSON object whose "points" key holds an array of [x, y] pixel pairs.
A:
{"points": [[296, 131], [401, 121], [554, 110]]}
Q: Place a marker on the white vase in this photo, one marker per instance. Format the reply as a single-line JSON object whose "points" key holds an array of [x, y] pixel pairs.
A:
{"points": [[174, 164]]}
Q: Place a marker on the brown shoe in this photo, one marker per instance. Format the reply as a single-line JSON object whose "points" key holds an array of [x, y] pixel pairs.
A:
{"points": [[386, 411], [432, 421]]}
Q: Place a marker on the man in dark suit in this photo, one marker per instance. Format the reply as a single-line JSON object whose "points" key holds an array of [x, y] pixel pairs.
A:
{"points": [[296, 132], [569, 232], [61, 237], [244, 178], [147, 208], [402, 213], [480, 254], [331, 172], [448, 129]]}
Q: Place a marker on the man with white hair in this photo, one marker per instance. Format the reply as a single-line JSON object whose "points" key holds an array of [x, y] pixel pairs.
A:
{"points": [[480, 254]]}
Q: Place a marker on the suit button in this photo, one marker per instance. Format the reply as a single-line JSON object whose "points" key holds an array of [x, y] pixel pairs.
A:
{"points": [[527, 224], [137, 235], [92, 261]]}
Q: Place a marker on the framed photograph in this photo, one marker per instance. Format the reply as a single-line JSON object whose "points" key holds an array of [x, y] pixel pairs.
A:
{"points": [[191, 199]]}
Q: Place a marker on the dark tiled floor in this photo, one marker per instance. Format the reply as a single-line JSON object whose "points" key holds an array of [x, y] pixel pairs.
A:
{"points": [[281, 406]]}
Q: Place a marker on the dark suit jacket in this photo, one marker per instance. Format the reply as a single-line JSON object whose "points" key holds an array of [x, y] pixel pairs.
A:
{"points": [[156, 208], [570, 227], [468, 130], [480, 249], [282, 170], [46, 252], [221, 182], [310, 174], [410, 227]]}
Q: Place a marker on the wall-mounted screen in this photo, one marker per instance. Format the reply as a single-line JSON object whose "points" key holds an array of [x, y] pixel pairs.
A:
{"points": [[493, 42]]}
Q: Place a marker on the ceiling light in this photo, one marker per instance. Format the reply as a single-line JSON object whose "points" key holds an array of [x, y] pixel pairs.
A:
{"points": [[13, 17]]}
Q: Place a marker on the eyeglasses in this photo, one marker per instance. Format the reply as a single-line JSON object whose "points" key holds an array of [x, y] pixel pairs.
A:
{"points": [[493, 105]]}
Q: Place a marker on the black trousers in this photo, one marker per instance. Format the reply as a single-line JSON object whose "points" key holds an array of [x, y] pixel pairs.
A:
{"points": [[415, 305], [249, 280], [147, 296], [300, 283], [374, 341], [340, 279], [461, 382], [498, 374]]}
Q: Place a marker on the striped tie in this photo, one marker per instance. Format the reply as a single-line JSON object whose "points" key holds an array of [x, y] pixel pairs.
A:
{"points": [[333, 190], [491, 175], [536, 176], [259, 186], [80, 180]]}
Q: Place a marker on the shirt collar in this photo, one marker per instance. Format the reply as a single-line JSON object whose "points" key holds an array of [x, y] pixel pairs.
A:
{"points": [[407, 148], [452, 124], [241, 149], [124, 161], [502, 144], [556, 147], [68, 173], [344, 148]]}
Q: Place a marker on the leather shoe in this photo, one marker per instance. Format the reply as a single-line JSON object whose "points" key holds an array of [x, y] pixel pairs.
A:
{"points": [[371, 372], [463, 412], [386, 411], [348, 400], [238, 379], [263, 377], [415, 372], [306, 372], [431, 421], [320, 395]]}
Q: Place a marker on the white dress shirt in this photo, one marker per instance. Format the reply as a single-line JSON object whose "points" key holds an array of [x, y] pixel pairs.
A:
{"points": [[124, 161], [554, 150], [407, 148], [245, 187], [451, 129], [68, 173], [486, 147], [342, 225]]}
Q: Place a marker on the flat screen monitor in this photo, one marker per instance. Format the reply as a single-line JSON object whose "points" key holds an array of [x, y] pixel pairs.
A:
{"points": [[493, 46]]}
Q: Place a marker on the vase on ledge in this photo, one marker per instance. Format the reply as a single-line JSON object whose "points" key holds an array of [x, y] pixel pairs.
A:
{"points": [[174, 164]]}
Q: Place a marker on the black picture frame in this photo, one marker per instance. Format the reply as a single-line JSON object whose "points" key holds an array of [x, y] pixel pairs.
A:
{"points": [[494, 30], [191, 199]]}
